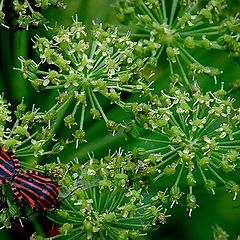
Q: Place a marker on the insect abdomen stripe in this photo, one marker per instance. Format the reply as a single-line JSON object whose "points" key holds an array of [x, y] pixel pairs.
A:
{"points": [[21, 180], [43, 183], [9, 165], [32, 197], [29, 186]]}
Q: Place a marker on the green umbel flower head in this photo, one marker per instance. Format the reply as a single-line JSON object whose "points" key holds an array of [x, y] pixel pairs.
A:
{"points": [[80, 67], [192, 138], [106, 201], [178, 30]]}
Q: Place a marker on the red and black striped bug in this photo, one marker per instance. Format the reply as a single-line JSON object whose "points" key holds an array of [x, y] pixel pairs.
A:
{"points": [[37, 190], [30, 187], [9, 166]]}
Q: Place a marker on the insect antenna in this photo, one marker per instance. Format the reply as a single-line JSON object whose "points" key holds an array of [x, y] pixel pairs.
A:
{"points": [[71, 192]]}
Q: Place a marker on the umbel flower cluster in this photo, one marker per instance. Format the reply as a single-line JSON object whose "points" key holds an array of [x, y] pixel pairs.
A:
{"points": [[26, 12], [192, 138], [178, 29], [107, 201], [80, 70]]}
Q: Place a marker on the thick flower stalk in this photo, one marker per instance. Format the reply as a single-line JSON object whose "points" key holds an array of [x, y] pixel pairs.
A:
{"points": [[178, 29], [80, 67], [26, 133], [25, 13], [192, 138], [105, 201]]}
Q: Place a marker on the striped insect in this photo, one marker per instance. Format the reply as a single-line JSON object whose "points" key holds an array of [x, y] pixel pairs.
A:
{"points": [[30, 187], [9, 166], [36, 190]]}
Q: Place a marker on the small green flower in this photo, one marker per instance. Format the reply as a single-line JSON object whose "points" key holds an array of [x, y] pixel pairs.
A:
{"points": [[23, 14], [195, 140]]}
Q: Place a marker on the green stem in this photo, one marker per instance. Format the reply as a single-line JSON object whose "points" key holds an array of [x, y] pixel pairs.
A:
{"points": [[127, 225], [29, 6], [116, 202], [159, 52], [24, 149], [31, 154], [54, 237], [75, 108], [129, 89], [93, 50], [28, 139], [190, 189], [92, 195], [185, 78], [172, 154], [98, 105], [179, 175], [173, 11], [140, 28], [216, 175], [78, 236], [154, 140], [237, 132], [13, 128], [202, 34], [158, 176], [201, 31], [171, 67], [229, 142], [139, 35], [203, 131], [228, 147], [156, 150], [55, 87], [202, 174], [148, 12], [1, 5], [188, 55], [164, 12], [82, 116], [91, 98], [176, 123]]}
